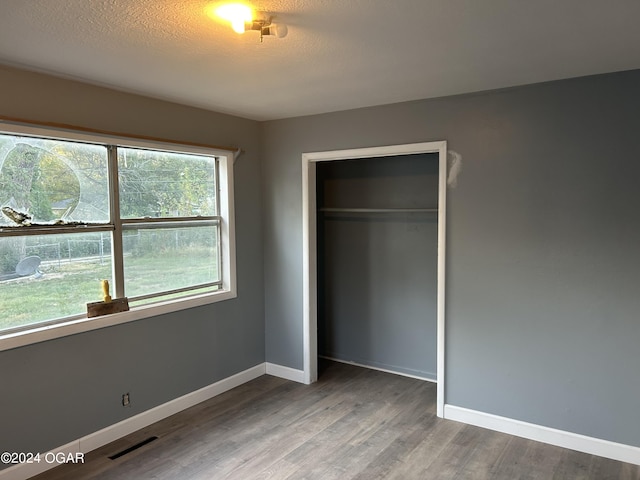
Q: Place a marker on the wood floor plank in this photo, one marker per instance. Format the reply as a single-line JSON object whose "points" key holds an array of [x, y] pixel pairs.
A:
{"points": [[353, 424], [417, 463]]}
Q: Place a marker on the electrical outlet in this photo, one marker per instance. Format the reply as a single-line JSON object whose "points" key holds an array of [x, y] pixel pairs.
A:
{"points": [[125, 400]]}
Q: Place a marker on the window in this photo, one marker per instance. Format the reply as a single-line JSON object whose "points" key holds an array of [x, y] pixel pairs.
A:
{"points": [[154, 219]]}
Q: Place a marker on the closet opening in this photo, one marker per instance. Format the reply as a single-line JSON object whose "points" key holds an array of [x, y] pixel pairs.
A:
{"points": [[374, 250]]}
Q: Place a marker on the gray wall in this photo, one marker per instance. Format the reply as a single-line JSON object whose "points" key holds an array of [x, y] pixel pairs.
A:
{"points": [[57, 391], [543, 259], [377, 285], [543, 256]]}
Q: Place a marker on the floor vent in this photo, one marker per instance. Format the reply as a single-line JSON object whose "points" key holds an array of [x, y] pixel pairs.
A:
{"points": [[132, 448]]}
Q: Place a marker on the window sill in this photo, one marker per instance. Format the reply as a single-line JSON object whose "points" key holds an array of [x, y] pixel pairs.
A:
{"points": [[80, 325]]}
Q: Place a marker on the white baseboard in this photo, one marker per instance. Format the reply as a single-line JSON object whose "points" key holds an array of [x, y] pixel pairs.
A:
{"points": [[287, 373], [385, 370], [560, 438], [130, 425]]}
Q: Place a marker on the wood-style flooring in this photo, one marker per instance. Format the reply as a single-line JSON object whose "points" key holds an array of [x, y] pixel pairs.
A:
{"points": [[354, 423]]}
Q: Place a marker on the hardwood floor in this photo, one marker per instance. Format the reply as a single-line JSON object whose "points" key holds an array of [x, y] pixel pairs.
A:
{"points": [[354, 423]]}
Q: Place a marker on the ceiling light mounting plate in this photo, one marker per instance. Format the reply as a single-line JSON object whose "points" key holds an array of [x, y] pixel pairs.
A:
{"points": [[263, 23], [244, 18]]}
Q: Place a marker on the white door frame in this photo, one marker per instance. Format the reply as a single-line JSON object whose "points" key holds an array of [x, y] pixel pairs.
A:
{"points": [[309, 247]]}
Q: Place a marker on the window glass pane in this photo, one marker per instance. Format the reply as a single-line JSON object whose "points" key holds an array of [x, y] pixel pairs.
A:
{"points": [[51, 276], [52, 180], [161, 259], [165, 184]]}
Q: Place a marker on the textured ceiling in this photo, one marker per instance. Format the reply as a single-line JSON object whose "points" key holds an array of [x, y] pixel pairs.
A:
{"points": [[339, 54]]}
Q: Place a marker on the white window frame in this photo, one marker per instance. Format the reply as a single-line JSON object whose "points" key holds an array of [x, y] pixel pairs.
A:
{"points": [[228, 290]]}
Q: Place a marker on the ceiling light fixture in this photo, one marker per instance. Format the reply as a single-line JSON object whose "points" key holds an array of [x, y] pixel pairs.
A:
{"points": [[243, 18], [236, 13]]}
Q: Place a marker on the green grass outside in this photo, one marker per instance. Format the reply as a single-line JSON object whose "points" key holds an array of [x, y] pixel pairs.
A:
{"points": [[65, 290]]}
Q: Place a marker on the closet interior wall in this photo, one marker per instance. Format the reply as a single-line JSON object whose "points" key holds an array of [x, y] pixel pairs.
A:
{"points": [[377, 262]]}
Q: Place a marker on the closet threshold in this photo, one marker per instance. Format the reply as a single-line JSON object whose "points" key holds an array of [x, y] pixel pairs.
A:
{"points": [[378, 210]]}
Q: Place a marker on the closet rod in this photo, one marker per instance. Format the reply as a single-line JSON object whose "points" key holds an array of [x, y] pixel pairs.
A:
{"points": [[378, 210]]}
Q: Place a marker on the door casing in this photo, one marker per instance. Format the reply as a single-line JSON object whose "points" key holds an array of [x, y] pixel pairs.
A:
{"points": [[309, 248]]}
